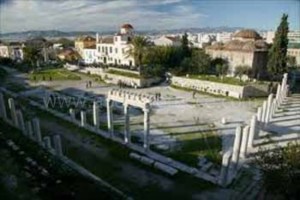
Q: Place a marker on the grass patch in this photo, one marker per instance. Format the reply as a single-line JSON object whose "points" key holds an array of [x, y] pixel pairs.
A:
{"points": [[72, 184], [3, 73], [15, 87], [53, 74], [121, 73], [225, 80], [192, 145]]}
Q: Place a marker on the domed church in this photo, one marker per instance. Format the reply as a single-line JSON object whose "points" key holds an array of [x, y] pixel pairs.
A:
{"points": [[246, 48]]}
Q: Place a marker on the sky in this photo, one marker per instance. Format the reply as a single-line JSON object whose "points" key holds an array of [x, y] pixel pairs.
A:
{"points": [[109, 15]]}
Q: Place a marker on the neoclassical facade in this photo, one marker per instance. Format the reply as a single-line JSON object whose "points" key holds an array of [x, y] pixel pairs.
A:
{"points": [[84, 42], [114, 49], [245, 48]]}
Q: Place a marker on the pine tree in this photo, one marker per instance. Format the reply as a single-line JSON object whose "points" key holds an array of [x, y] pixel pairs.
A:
{"points": [[185, 46], [277, 63]]}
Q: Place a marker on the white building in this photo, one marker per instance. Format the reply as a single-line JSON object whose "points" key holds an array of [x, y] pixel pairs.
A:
{"points": [[223, 37], [4, 51], [167, 41], [294, 36], [205, 39], [13, 50], [114, 50], [90, 55], [16, 51], [270, 36]]}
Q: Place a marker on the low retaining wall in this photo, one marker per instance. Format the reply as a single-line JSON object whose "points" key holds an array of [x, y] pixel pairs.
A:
{"points": [[235, 91], [115, 79]]}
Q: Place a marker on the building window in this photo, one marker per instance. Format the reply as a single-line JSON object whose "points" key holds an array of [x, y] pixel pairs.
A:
{"points": [[116, 50], [110, 49]]}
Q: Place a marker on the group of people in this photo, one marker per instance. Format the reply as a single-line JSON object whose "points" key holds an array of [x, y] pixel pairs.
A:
{"points": [[157, 96], [88, 84], [121, 84]]}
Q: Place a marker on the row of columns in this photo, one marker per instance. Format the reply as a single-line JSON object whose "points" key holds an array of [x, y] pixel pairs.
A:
{"points": [[243, 140], [83, 118], [30, 128], [127, 135], [268, 109], [245, 137]]}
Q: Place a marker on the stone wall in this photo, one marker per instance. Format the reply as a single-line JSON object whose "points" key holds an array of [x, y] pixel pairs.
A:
{"points": [[235, 91], [114, 78]]}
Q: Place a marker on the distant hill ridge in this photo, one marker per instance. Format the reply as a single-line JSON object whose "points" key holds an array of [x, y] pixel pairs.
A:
{"points": [[56, 33]]}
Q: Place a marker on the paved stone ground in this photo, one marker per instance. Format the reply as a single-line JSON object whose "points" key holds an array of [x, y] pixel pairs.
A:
{"points": [[177, 111], [287, 118]]}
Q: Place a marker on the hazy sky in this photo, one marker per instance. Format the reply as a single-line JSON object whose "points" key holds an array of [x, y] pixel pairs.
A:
{"points": [[103, 15]]}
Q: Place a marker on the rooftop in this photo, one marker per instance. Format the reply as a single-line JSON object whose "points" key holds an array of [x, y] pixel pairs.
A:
{"points": [[247, 34], [127, 26], [237, 45]]}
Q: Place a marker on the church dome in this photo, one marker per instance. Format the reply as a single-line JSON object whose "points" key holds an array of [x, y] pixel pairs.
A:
{"points": [[127, 26], [247, 34]]}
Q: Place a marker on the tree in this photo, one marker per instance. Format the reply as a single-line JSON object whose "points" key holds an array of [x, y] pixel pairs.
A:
{"points": [[185, 46], [31, 55], [138, 50], [200, 61], [242, 70], [222, 69], [281, 171], [277, 63]]}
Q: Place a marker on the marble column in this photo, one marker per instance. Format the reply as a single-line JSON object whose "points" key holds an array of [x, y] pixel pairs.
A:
{"points": [[252, 131], [278, 92], [274, 107], [236, 148], [12, 107], [83, 118], [20, 120], [259, 114], [224, 170], [96, 114], [57, 145], [110, 126], [72, 114], [146, 127], [29, 130], [37, 130], [3, 113], [269, 107], [264, 112], [47, 142], [244, 143], [127, 124], [284, 81]]}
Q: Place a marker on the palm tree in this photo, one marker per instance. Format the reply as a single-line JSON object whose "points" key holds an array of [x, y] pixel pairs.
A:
{"points": [[138, 49]]}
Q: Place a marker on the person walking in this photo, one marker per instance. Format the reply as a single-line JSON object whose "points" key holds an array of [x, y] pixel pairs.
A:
{"points": [[194, 94]]}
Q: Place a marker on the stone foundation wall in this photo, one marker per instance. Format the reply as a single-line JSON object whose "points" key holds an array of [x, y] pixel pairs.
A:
{"points": [[235, 91], [114, 78]]}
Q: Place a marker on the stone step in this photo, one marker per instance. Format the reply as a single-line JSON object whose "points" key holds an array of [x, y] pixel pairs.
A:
{"points": [[207, 166]]}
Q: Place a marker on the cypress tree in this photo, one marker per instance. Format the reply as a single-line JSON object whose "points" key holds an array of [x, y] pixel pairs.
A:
{"points": [[185, 46], [277, 63]]}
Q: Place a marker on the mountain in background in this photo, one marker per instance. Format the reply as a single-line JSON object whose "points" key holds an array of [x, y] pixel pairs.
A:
{"points": [[21, 36]]}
